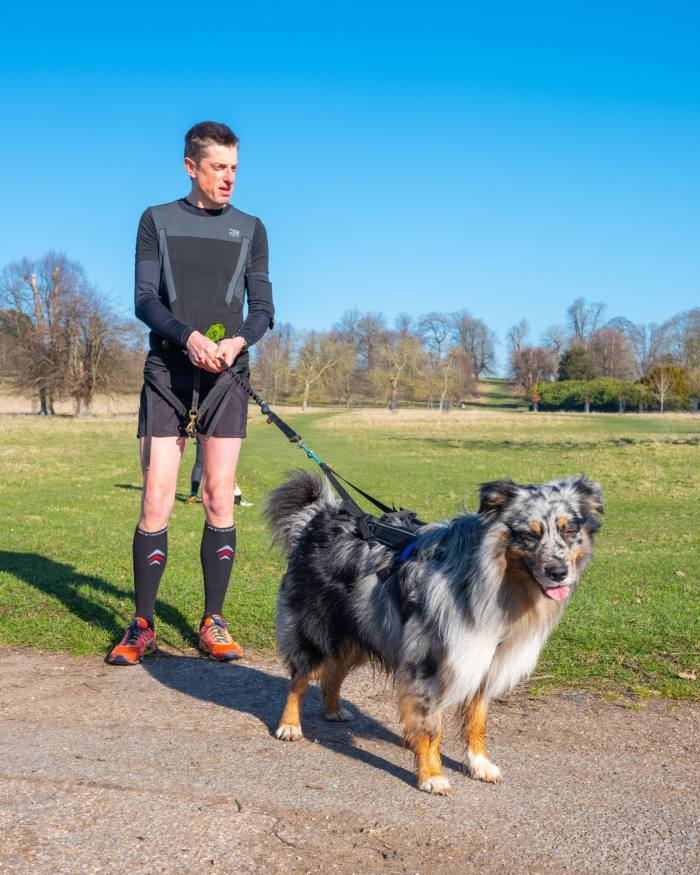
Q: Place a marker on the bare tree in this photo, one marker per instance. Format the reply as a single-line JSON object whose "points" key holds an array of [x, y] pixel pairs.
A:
{"points": [[434, 329], [584, 319], [477, 340], [273, 354], [662, 384], [317, 355], [65, 339], [610, 354], [516, 337], [531, 365], [399, 358], [648, 343], [554, 339]]}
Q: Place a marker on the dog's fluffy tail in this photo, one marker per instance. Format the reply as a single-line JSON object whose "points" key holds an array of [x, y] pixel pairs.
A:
{"points": [[289, 507]]}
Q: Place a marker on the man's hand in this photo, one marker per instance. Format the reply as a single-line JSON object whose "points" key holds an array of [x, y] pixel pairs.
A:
{"points": [[229, 349], [203, 353]]}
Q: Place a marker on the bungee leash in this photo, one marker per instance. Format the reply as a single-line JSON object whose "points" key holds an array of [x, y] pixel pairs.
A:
{"points": [[371, 527]]}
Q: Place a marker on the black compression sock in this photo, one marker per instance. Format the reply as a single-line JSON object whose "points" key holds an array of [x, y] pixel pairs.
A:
{"points": [[217, 554], [150, 553]]}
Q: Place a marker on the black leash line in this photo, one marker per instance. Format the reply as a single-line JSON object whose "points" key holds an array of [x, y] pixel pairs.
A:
{"points": [[370, 527]]}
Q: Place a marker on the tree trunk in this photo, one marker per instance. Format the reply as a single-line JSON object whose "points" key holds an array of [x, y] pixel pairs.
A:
{"points": [[587, 406]]}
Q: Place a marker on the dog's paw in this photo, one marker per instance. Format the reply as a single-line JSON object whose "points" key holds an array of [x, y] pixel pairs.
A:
{"points": [[482, 769], [437, 785], [289, 732], [341, 715]]}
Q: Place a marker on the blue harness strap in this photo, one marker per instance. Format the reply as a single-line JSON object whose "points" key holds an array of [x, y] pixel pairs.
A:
{"points": [[407, 550]]}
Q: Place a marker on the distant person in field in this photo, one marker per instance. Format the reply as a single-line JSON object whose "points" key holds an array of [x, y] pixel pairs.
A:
{"points": [[197, 261], [196, 479]]}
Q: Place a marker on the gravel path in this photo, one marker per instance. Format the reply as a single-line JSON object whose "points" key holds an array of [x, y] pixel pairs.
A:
{"points": [[171, 768]]}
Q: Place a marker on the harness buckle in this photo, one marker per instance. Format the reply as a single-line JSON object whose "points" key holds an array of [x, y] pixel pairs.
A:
{"points": [[192, 424]]}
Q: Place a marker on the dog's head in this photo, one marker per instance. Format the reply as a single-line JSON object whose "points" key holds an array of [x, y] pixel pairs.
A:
{"points": [[547, 529]]}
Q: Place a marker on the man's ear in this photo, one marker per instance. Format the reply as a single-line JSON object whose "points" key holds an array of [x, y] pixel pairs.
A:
{"points": [[496, 495]]}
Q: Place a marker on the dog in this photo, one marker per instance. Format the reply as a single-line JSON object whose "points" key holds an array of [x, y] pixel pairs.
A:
{"points": [[461, 620]]}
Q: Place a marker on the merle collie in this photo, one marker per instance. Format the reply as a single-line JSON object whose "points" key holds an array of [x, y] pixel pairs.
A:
{"points": [[460, 621]]}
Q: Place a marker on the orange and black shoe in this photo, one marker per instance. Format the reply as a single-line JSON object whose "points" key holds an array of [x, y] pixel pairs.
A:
{"points": [[139, 639], [215, 639]]}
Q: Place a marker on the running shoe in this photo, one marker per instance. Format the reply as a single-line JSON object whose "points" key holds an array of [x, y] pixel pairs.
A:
{"points": [[139, 639], [191, 499], [214, 639]]}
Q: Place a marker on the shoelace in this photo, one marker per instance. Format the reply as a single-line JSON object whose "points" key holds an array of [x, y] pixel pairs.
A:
{"points": [[219, 634], [133, 633]]}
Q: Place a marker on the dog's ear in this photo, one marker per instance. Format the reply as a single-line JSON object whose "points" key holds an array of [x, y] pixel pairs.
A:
{"points": [[496, 495], [592, 496]]}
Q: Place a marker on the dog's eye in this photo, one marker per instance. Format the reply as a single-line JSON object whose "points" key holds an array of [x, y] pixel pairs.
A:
{"points": [[528, 537]]}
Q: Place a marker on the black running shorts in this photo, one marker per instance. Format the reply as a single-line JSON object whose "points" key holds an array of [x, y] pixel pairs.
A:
{"points": [[167, 422]]}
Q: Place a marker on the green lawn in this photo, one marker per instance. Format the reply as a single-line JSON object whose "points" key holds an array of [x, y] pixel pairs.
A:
{"points": [[70, 501]]}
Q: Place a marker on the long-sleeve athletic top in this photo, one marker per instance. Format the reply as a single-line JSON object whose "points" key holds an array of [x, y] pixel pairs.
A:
{"points": [[200, 260]]}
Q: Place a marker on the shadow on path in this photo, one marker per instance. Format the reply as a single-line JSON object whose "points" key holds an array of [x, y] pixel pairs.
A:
{"points": [[250, 690], [64, 583]]}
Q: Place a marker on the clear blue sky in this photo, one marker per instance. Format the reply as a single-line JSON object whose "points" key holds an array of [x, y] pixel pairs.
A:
{"points": [[505, 158]]}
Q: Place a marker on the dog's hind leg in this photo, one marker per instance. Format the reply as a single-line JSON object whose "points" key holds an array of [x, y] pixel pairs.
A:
{"points": [[423, 734], [333, 673], [289, 728], [474, 715]]}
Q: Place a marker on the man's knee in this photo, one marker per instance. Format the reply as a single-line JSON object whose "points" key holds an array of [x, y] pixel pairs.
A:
{"points": [[217, 498], [157, 505]]}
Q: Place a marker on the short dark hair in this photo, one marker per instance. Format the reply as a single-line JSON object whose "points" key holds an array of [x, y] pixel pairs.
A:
{"points": [[203, 134]]}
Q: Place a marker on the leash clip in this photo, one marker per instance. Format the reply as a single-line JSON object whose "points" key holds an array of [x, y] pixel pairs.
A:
{"points": [[191, 425]]}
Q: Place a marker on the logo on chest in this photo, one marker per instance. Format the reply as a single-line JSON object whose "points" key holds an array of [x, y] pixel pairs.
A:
{"points": [[232, 232]]}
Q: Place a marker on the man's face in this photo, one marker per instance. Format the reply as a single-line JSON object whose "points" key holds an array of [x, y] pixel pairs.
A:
{"points": [[214, 177]]}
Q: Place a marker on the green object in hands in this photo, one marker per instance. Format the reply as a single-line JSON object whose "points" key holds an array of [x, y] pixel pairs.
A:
{"points": [[216, 332]]}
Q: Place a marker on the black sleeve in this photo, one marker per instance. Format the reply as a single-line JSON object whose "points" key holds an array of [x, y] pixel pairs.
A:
{"points": [[147, 238], [261, 311], [147, 303]]}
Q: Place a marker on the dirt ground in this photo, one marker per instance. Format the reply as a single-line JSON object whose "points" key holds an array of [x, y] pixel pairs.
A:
{"points": [[171, 767]]}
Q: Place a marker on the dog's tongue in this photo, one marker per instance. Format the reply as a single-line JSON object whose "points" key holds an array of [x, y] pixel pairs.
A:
{"points": [[558, 593]]}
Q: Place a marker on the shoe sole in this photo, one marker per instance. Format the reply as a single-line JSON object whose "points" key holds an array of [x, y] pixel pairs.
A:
{"points": [[122, 660], [204, 650]]}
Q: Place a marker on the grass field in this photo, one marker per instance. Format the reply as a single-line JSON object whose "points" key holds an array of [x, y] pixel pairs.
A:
{"points": [[70, 498]]}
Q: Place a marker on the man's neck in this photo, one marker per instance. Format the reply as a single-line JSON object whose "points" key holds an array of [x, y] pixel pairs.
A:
{"points": [[197, 198]]}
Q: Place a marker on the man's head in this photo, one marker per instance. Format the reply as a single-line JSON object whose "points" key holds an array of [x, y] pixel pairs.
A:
{"points": [[211, 161]]}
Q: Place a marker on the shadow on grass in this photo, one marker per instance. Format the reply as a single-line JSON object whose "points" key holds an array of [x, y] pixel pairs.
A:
{"points": [[64, 583], [455, 443], [250, 690]]}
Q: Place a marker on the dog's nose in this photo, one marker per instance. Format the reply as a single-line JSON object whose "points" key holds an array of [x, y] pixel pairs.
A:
{"points": [[556, 571]]}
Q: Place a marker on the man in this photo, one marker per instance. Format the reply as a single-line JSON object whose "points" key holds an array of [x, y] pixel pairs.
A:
{"points": [[197, 259]]}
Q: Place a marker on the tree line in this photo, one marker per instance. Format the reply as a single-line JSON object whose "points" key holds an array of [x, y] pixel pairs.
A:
{"points": [[591, 360], [60, 340], [432, 359]]}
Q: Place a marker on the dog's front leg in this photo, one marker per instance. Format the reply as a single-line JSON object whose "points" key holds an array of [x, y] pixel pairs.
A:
{"points": [[423, 735], [290, 724], [479, 766]]}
